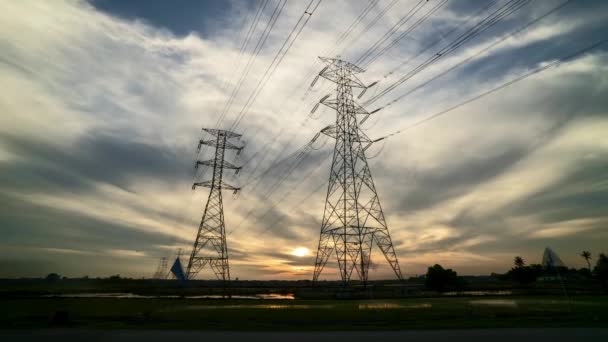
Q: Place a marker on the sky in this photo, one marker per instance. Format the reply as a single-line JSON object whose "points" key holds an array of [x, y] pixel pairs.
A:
{"points": [[102, 104]]}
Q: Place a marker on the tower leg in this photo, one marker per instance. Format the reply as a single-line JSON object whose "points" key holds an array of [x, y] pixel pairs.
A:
{"points": [[326, 247], [383, 239]]}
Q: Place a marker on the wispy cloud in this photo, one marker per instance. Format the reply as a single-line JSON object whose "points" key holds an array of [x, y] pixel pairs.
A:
{"points": [[101, 116]]}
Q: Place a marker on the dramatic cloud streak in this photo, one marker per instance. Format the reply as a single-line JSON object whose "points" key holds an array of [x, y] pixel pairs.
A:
{"points": [[101, 114]]}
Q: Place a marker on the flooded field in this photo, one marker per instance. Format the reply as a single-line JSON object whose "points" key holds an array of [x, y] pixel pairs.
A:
{"points": [[283, 312], [122, 295]]}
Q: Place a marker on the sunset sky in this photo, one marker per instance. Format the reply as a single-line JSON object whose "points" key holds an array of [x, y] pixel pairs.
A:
{"points": [[102, 104]]}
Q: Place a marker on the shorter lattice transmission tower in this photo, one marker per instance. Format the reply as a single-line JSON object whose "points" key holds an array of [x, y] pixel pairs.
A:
{"points": [[210, 247], [161, 270], [353, 220]]}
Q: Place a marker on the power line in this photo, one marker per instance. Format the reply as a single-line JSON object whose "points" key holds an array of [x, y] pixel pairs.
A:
{"points": [[252, 28], [437, 41], [487, 48], [391, 31], [269, 26], [406, 32], [535, 71], [491, 20], [278, 58]]}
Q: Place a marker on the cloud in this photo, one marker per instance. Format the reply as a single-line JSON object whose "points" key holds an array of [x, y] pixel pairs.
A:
{"points": [[101, 115]]}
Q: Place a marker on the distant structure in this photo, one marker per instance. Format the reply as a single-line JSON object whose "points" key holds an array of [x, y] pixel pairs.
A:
{"points": [[177, 269], [210, 247], [161, 269], [551, 259], [353, 219]]}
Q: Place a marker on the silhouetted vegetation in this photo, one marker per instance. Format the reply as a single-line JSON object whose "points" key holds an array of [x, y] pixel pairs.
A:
{"points": [[440, 279], [53, 277], [587, 256], [524, 274], [601, 267]]}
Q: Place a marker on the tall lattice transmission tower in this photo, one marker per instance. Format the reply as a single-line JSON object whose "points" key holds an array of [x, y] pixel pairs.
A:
{"points": [[161, 270], [210, 244], [353, 219]]}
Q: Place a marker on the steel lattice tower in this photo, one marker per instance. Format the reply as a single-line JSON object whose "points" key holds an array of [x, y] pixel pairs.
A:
{"points": [[161, 269], [353, 219], [210, 244]]}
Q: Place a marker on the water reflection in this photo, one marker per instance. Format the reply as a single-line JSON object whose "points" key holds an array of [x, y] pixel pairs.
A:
{"points": [[255, 306], [389, 306], [495, 302], [478, 293], [118, 295]]}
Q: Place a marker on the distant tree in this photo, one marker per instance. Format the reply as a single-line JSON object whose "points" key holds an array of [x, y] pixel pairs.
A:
{"points": [[440, 279], [587, 256], [525, 274], [601, 267], [519, 261], [53, 277], [115, 277]]}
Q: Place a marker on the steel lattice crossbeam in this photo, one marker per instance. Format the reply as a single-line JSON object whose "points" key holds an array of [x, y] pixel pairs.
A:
{"points": [[353, 220], [210, 248]]}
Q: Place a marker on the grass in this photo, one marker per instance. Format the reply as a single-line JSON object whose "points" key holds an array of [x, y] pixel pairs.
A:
{"points": [[415, 313]]}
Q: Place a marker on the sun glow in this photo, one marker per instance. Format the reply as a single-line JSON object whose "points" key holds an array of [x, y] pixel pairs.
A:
{"points": [[300, 251]]}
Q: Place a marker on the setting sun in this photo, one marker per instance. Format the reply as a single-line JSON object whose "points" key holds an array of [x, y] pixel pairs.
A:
{"points": [[301, 251]]}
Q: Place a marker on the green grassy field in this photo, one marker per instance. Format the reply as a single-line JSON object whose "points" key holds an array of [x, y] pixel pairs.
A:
{"points": [[415, 313]]}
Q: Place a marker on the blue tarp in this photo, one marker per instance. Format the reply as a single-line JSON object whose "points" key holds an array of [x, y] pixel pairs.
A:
{"points": [[178, 270]]}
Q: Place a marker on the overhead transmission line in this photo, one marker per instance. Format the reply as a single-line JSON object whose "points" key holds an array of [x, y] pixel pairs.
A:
{"points": [[242, 49], [417, 7], [332, 48], [440, 39], [478, 53], [278, 58], [491, 20], [537, 70], [283, 197], [250, 33], [404, 34], [300, 155], [287, 193], [350, 29], [372, 22], [269, 26]]}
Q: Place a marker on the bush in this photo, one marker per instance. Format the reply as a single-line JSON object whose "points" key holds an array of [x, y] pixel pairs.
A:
{"points": [[601, 268], [525, 274], [440, 279], [53, 277]]}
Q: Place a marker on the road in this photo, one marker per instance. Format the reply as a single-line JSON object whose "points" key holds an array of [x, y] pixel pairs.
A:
{"points": [[496, 335]]}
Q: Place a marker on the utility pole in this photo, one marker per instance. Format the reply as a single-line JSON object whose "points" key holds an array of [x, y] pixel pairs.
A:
{"points": [[210, 244], [353, 219]]}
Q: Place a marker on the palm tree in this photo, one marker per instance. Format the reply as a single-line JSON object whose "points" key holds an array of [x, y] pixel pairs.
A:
{"points": [[587, 256], [519, 261]]}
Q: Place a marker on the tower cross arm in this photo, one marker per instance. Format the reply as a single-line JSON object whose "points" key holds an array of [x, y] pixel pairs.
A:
{"points": [[227, 145], [330, 131], [209, 184], [216, 132], [225, 164]]}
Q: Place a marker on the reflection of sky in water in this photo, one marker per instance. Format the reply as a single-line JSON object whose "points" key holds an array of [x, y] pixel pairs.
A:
{"points": [[495, 302], [384, 306], [119, 295]]}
